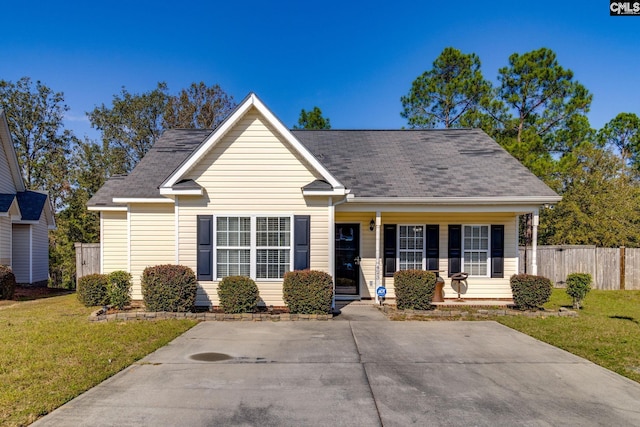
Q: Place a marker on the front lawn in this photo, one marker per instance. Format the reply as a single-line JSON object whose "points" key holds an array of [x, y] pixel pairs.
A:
{"points": [[51, 353], [606, 331]]}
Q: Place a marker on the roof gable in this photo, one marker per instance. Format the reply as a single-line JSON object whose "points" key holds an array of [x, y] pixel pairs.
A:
{"points": [[251, 101], [6, 145]]}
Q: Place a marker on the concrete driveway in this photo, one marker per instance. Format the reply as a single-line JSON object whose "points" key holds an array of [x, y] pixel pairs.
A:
{"points": [[358, 370]]}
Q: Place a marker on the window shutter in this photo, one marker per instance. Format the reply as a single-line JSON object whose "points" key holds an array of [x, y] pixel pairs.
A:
{"points": [[455, 249], [497, 251], [205, 247], [301, 242], [390, 237], [432, 246]]}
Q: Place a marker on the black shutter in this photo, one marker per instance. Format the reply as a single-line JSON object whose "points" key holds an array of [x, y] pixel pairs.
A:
{"points": [[301, 242], [205, 247], [497, 251], [433, 246], [390, 237], [455, 249]]}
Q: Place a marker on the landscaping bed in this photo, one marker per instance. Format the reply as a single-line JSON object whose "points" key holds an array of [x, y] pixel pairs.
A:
{"points": [[470, 313]]}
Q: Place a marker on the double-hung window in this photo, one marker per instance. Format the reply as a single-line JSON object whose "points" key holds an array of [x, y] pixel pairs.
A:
{"points": [[273, 247], [233, 246], [411, 247], [475, 249], [254, 246]]}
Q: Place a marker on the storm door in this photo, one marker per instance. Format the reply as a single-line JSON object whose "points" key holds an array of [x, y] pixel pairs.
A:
{"points": [[347, 259]]}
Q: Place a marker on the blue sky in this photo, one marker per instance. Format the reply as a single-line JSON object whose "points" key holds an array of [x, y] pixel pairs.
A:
{"points": [[353, 59]]}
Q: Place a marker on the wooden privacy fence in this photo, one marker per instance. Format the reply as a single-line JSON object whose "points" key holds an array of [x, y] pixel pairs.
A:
{"points": [[87, 259], [610, 268]]}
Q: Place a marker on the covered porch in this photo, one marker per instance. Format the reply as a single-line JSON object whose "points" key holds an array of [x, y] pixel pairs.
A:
{"points": [[369, 245]]}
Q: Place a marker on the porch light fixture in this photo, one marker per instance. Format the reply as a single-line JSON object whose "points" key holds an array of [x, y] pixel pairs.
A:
{"points": [[372, 225]]}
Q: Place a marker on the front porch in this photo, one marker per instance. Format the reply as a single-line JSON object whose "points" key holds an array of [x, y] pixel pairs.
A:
{"points": [[369, 247]]}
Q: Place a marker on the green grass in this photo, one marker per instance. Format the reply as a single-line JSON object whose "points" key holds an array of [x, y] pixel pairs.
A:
{"points": [[51, 353], [606, 331]]}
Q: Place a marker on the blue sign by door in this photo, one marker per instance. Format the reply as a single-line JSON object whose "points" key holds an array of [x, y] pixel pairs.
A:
{"points": [[381, 291]]}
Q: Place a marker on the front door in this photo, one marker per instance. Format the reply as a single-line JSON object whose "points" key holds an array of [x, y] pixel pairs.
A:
{"points": [[347, 259]]}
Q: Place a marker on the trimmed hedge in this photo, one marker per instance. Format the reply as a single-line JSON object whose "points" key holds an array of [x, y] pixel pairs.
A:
{"points": [[7, 282], [169, 287], [92, 290], [529, 291], [308, 292], [119, 289], [414, 289], [238, 294], [578, 286]]}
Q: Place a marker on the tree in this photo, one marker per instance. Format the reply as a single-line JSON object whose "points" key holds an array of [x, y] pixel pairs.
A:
{"points": [[454, 89], [541, 93], [542, 99], [130, 127], [623, 134], [312, 120], [198, 107], [35, 113], [599, 202]]}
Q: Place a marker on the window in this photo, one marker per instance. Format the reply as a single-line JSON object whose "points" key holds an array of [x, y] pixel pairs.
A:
{"points": [[233, 243], [273, 242], [475, 249], [410, 247], [255, 246]]}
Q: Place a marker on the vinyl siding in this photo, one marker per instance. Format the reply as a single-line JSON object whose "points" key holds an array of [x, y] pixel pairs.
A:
{"points": [[115, 252], [5, 240], [21, 252], [7, 185], [152, 239], [479, 287], [40, 236], [252, 171]]}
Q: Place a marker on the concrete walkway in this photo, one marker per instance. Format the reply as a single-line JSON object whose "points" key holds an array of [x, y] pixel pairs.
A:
{"points": [[355, 371]]}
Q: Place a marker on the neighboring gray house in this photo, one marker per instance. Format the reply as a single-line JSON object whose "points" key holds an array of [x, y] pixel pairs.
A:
{"points": [[25, 219], [255, 198]]}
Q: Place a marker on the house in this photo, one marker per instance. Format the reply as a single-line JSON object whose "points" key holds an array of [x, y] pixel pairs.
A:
{"points": [[25, 219], [255, 198]]}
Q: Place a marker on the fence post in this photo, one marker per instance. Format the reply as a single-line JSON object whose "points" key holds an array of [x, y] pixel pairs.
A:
{"points": [[623, 261]]}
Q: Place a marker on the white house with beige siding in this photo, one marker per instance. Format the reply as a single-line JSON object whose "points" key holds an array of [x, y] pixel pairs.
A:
{"points": [[257, 199], [25, 218]]}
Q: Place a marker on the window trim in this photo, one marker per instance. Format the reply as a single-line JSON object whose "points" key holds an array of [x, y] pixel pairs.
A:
{"points": [[253, 248], [488, 250], [424, 242]]}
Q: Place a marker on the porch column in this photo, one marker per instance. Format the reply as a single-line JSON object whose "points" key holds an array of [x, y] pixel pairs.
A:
{"points": [[378, 263], [534, 243]]}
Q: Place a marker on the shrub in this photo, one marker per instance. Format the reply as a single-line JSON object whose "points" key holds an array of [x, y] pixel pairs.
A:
{"points": [[578, 286], [92, 290], [169, 288], [529, 291], [308, 292], [238, 294], [119, 289], [7, 282], [414, 289]]}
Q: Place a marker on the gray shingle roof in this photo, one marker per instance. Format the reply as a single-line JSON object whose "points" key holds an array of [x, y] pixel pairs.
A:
{"points": [[5, 202], [371, 163], [160, 161], [31, 204], [421, 163]]}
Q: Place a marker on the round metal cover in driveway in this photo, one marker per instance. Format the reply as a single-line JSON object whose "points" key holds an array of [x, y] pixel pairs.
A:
{"points": [[210, 357]]}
